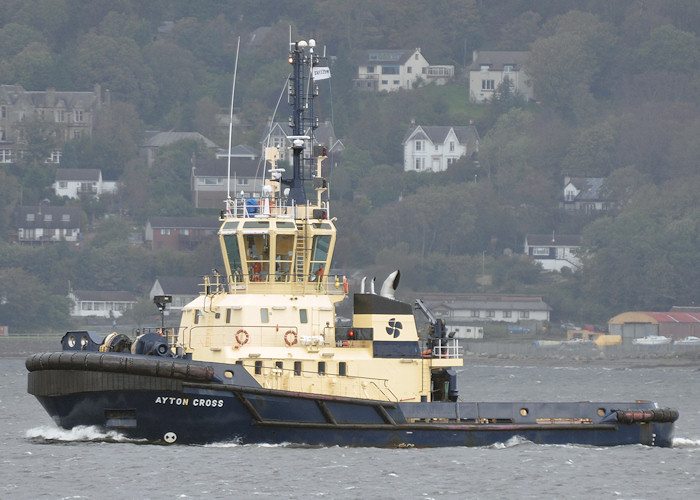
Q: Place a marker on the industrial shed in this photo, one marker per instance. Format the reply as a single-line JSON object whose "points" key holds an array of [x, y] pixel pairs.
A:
{"points": [[675, 325]]}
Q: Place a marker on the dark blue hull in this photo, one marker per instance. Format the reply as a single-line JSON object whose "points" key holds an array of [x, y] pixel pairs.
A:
{"points": [[187, 408]]}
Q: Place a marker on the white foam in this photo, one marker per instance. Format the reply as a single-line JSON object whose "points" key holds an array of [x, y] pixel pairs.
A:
{"points": [[685, 442], [79, 433]]}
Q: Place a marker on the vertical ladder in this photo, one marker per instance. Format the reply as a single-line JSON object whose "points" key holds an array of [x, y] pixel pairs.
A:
{"points": [[300, 253]]}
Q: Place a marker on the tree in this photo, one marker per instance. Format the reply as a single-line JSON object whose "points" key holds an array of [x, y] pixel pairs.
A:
{"points": [[670, 49], [117, 64], [566, 65], [25, 304]]}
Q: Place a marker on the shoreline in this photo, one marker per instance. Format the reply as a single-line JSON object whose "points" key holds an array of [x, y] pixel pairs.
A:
{"points": [[23, 347]]}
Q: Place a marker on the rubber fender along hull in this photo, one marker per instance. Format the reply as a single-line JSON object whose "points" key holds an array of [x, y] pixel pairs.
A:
{"points": [[164, 409]]}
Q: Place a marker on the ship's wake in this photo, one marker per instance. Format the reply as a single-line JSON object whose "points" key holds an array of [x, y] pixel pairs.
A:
{"points": [[50, 434], [680, 442]]}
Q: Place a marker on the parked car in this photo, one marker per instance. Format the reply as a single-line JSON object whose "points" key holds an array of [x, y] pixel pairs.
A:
{"points": [[518, 330]]}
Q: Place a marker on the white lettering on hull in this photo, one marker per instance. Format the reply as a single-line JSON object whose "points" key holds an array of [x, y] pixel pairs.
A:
{"points": [[174, 401]]}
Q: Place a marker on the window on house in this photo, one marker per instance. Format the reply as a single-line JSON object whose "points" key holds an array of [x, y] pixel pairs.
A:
{"points": [[507, 314], [370, 69], [409, 69], [3, 111], [165, 232], [419, 145], [30, 217], [524, 314], [484, 68], [385, 82], [507, 68], [452, 146], [487, 85], [476, 314], [78, 115], [490, 313], [540, 252], [48, 217], [65, 217], [185, 232], [60, 116]]}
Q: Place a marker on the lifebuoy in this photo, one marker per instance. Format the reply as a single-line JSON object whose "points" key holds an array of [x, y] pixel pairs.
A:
{"points": [[293, 335], [345, 285], [242, 337]]}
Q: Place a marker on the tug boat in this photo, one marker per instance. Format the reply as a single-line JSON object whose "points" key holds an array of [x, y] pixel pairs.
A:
{"points": [[258, 356]]}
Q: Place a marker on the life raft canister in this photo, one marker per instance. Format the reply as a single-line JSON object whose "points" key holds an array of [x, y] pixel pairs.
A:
{"points": [[290, 337]]}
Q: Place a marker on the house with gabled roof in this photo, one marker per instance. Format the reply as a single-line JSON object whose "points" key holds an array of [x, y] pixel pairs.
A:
{"points": [[180, 233], [74, 112], [277, 135], [47, 224], [182, 289], [584, 194], [553, 251], [155, 140], [490, 68], [390, 70], [210, 183], [462, 310], [434, 148], [74, 182], [100, 303]]}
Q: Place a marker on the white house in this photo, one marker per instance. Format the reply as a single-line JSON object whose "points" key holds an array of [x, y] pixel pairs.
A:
{"points": [[73, 182], [554, 251], [490, 68], [278, 134], [436, 148], [390, 70], [100, 303], [182, 289], [463, 312], [47, 224], [584, 194]]}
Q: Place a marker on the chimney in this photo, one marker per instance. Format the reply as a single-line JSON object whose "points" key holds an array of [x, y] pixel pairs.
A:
{"points": [[50, 97]]}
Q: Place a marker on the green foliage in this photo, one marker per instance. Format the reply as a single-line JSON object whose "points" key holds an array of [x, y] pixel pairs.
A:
{"points": [[617, 91]]}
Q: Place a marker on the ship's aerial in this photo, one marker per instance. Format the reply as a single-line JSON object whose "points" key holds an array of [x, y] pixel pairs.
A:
{"points": [[259, 357]]}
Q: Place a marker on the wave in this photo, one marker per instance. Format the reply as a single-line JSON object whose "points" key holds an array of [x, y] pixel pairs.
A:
{"points": [[685, 443], [80, 433], [512, 442]]}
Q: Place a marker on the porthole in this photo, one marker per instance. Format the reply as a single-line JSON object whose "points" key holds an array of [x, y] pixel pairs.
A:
{"points": [[524, 412]]}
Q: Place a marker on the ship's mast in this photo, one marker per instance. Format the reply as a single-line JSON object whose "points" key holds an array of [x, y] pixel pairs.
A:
{"points": [[302, 121]]}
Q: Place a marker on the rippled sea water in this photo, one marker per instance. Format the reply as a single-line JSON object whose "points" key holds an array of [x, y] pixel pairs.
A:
{"points": [[38, 460]]}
